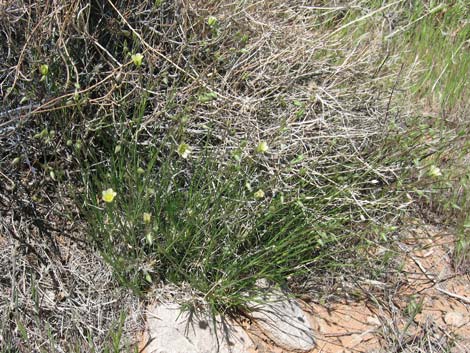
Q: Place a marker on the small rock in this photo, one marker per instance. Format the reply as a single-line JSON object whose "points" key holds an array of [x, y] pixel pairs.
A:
{"points": [[356, 339], [455, 318], [283, 321], [374, 321], [173, 331]]}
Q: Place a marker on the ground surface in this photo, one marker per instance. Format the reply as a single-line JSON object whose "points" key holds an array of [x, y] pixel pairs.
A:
{"points": [[423, 308], [428, 276]]}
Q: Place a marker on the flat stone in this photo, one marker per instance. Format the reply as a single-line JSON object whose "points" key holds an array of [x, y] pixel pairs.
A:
{"points": [[170, 330], [374, 321], [283, 321], [356, 339], [455, 318]]}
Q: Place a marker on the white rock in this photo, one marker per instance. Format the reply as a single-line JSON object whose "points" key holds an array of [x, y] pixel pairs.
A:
{"points": [[356, 339], [455, 318], [374, 321], [283, 321], [173, 331]]}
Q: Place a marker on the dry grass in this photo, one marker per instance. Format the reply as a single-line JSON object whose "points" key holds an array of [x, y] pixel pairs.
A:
{"points": [[56, 293]]}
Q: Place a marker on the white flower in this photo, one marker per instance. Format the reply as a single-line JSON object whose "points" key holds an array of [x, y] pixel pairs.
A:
{"points": [[137, 59], [435, 171], [259, 194], [184, 150], [262, 147]]}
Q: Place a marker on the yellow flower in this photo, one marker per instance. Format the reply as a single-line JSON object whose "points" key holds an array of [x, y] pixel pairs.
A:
{"points": [[147, 217], [262, 147], [137, 59], [109, 195], [184, 150], [259, 194]]}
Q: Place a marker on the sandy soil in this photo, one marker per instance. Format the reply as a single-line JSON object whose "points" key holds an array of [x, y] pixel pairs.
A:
{"points": [[424, 308], [384, 322], [429, 280]]}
